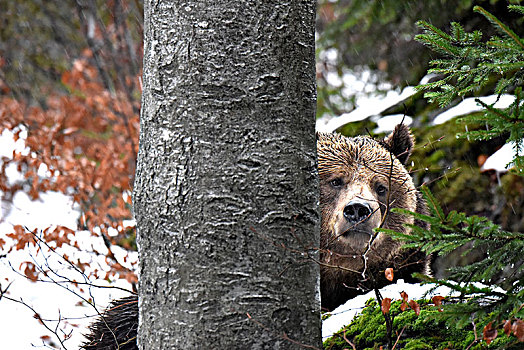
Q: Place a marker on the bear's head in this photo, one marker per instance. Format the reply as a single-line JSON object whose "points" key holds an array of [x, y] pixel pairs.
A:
{"points": [[361, 179]]}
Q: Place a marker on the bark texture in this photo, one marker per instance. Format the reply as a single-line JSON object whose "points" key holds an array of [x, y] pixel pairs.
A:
{"points": [[226, 176]]}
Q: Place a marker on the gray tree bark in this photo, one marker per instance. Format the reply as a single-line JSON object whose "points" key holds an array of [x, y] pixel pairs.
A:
{"points": [[226, 186]]}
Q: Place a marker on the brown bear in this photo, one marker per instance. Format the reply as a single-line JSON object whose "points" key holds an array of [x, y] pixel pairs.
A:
{"points": [[360, 181]]}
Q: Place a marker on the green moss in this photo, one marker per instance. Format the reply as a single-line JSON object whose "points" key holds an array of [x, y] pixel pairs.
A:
{"points": [[325, 315], [417, 345]]}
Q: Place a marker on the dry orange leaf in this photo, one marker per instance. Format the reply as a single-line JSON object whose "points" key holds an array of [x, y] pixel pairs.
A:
{"points": [[414, 306], [385, 305], [404, 304], [489, 333], [518, 329], [507, 327], [389, 274], [437, 300], [87, 141]]}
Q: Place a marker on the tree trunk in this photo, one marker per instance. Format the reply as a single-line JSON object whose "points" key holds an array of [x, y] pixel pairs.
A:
{"points": [[226, 186]]}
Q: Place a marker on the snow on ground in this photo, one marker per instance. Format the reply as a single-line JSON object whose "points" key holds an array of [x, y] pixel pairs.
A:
{"points": [[371, 104], [470, 105], [501, 160], [8, 144], [388, 123], [18, 328], [344, 314], [363, 84], [367, 107]]}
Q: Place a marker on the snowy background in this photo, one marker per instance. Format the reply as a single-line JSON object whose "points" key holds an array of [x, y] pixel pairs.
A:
{"points": [[18, 328]]}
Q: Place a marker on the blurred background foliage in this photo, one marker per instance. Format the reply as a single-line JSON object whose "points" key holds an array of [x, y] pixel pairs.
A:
{"points": [[40, 39]]}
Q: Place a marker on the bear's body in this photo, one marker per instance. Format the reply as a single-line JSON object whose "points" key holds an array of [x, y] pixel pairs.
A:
{"points": [[121, 317], [360, 180]]}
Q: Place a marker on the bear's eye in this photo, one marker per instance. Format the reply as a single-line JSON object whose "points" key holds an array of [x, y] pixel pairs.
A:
{"points": [[381, 190], [336, 182]]}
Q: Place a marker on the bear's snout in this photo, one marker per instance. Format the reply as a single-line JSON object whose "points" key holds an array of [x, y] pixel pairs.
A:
{"points": [[356, 219], [357, 211]]}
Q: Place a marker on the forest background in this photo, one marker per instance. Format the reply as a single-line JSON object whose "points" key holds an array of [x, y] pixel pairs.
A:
{"points": [[70, 96]]}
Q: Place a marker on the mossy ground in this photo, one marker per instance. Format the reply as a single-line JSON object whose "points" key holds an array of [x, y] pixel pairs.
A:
{"points": [[425, 331]]}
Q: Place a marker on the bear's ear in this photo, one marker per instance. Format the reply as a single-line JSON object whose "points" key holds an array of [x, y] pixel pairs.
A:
{"points": [[400, 142]]}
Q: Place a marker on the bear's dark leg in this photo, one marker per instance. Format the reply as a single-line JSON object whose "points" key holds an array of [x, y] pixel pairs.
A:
{"points": [[117, 329]]}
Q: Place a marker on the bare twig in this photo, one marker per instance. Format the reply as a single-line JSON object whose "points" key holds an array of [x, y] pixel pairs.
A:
{"points": [[476, 336], [64, 282], [389, 321], [347, 340], [398, 337], [42, 321]]}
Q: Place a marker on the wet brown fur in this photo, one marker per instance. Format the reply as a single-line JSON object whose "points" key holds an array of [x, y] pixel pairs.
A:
{"points": [[117, 330], [354, 259]]}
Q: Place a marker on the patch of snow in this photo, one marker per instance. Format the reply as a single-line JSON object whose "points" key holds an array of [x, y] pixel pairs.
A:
{"points": [[368, 107], [333, 79], [20, 330], [43, 171], [427, 78], [8, 143], [501, 160], [388, 123], [344, 314], [12, 174], [329, 55], [51, 209], [51, 301], [469, 105], [129, 223]]}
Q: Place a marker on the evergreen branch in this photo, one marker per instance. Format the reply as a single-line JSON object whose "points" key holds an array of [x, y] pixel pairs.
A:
{"points": [[431, 28], [505, 66], [518, 92], [501, 25], [467, 67], [501, 44], [434, 204], [516, 8], [393, 233], [495, 111]]}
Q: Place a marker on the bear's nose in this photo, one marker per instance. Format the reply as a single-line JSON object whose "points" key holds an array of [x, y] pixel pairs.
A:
{"points": [[356, 212]]}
